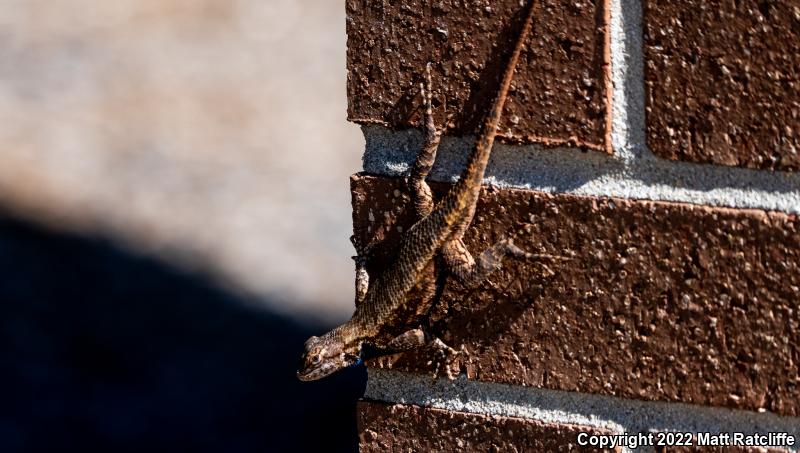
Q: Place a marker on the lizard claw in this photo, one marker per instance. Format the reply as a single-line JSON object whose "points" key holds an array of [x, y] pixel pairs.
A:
{"points": [[547, 271], [357, 244], [447, 358], [363, 251]]}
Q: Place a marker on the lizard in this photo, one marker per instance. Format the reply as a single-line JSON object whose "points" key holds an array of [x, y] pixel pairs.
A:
{"points": [[385, 318]]}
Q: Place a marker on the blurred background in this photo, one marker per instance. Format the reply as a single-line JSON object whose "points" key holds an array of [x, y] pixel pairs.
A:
{"points": [[174, 222]]}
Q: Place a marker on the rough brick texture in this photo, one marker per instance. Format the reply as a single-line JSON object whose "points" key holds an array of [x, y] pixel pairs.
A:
{"points": [[385, 427], [560, 92], [660, 301], [723, 81]]}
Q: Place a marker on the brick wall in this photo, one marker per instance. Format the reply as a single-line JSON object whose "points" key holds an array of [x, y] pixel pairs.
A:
{"points": [[656, 145]]}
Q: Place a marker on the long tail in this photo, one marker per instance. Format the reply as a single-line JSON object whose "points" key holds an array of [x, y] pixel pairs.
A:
{"points": [[473, 174]]}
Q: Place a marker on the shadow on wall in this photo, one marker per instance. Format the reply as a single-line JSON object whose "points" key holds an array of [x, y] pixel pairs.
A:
{"points": [[104, 351]]}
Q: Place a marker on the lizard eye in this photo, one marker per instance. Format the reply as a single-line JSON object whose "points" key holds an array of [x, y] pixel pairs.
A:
{"points": [[316, 359]]}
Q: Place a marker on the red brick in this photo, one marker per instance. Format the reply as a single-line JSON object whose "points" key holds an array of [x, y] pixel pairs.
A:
{"points": [[561, 91], [723, 81], [385, 427], [660, 301]]}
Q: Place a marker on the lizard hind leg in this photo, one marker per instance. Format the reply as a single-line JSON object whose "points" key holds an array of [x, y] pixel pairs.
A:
{"points": [[471, 272], [420, 191]]}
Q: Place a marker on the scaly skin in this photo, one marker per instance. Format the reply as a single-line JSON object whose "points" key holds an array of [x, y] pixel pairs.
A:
{"points": [[385, 317]]}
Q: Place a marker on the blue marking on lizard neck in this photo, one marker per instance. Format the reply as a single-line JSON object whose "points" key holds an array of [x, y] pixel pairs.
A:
{"points": [[360, 357]]}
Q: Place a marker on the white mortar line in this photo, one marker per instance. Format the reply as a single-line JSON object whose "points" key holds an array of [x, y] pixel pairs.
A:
{"points": [[632, 172], [553, 406], [628, 134]]}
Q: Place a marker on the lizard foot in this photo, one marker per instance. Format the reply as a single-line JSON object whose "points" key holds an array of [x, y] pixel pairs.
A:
{"points": [[447, 357]]}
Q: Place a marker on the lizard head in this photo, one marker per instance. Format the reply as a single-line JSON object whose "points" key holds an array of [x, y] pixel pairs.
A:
{"points": [[325, 355]]}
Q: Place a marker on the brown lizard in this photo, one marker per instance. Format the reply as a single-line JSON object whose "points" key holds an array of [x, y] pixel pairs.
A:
{"points": [[385, 318]]}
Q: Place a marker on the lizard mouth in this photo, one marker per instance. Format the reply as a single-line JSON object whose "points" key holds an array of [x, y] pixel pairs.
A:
{"points": [[306, 375], [312, 374]]}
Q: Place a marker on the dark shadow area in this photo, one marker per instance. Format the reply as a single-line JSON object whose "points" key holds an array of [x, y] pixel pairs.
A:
{"points": [[483, 91], [105, 351], [407, 111]]}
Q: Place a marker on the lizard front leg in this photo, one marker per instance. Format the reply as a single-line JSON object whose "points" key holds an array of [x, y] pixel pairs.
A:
{"points": [[420, 191], [418, 338], [362, 277]]}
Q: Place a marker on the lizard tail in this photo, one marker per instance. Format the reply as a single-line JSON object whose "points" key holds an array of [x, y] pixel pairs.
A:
{"points": [[473, 174]]}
